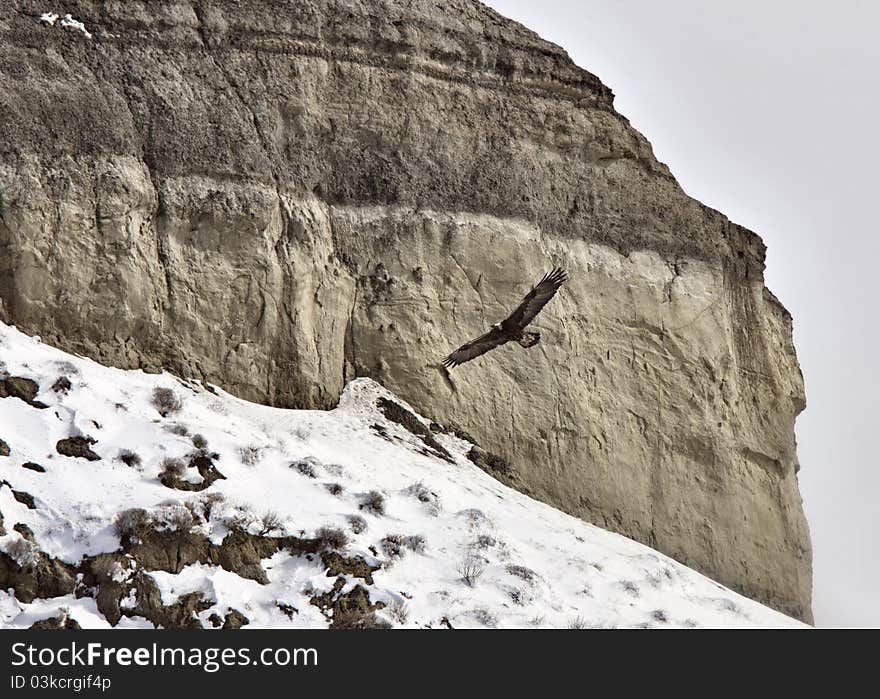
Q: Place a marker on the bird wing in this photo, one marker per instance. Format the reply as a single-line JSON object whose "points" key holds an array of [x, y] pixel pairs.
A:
{"points": [[475, 348], [536, 299]]}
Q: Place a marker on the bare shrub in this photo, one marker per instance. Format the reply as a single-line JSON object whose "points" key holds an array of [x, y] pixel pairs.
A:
{"points": [[476, 519], [178, 429], [630, 588], [306, 466], [420, 491], [577, 623], [520, 595], [357, 523], [269, 523], [484, 617], [399, 611], [335, 470], [129, 458], [491, 463], [166, 401], [209, 503], [199, 442], [334, 488], [250, 455], [180, 518], [66, 368], [239, 520], [660, 616], [602, 625], [728, 605], [202, 453], [374, 503], [392, 545], [202, 507], [196, 511], [331, 538], [23, 552], [395, 545], [415, 543], [522, 573], [471, 569], [424, 495], [171, 468], [484, 541], [133, 523]]}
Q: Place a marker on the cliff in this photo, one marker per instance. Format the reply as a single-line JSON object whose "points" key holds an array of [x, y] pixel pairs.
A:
{"points": [[280, 197]]}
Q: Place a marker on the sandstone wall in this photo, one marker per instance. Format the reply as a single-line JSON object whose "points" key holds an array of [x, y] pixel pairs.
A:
{"points": [[277, 197]]}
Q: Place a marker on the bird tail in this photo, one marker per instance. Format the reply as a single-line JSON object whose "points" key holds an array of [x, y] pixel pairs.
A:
{"points": [[529, 339]]}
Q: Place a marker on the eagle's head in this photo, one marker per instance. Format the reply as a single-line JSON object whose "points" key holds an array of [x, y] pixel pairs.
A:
{"points": [[496, 326]]}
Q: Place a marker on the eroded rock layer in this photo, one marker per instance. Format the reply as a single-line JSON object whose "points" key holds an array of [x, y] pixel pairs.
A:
{"points": [[279, 197]]}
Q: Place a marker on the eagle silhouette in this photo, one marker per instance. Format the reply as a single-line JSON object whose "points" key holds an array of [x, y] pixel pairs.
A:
{"points": [[512, 328]]}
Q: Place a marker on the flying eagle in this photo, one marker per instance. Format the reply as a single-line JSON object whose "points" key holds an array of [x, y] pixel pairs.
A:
{"points": [[512, 328]]}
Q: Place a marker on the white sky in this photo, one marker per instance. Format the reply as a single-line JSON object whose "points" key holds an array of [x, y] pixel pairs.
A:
{"points": [[769, 112]]}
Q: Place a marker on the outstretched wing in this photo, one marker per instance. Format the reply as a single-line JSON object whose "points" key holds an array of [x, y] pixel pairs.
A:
{"points": [[536, 299], [475, 348]]}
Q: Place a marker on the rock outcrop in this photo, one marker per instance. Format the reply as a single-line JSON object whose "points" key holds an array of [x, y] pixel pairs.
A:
{"points": [[279, 197]]}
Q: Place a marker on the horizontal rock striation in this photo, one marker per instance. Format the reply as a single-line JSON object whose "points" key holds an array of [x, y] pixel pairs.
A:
{"points": [[279, 197]]}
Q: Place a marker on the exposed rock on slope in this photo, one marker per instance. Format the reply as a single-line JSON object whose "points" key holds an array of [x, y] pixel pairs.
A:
{"points": [[336, 518], [279, 198]]}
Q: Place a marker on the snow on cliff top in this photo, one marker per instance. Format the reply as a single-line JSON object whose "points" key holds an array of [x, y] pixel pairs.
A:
{"points": [[454, 547]]}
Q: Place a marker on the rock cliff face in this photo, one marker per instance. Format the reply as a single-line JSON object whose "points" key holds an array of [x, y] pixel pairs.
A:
{"points": [[278, 197]]}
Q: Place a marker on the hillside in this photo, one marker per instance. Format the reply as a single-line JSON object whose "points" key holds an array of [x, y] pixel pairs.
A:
{"points": [[224, 512]]}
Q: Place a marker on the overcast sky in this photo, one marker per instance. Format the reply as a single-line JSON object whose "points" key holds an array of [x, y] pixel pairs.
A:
{"points": [[769, 112]]}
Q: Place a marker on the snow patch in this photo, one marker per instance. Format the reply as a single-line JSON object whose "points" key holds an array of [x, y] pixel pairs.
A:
{"points": [[450, 546], [67, 22]]}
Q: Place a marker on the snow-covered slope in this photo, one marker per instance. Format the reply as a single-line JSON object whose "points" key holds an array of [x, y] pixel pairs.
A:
{"points": [[357, 516]]}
